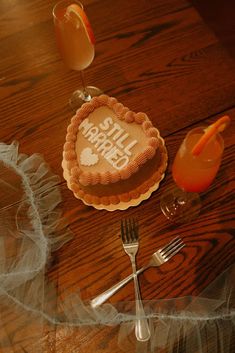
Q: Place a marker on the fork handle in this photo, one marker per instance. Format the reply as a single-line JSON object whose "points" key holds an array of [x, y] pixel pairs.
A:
{"points": [[101, 298], [142, 331]]}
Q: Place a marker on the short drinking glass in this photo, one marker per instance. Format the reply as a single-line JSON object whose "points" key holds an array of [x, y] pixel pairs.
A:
{"points": [[192, 174]]}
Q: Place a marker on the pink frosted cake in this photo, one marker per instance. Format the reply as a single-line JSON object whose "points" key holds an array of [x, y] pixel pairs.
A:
{"points": [[112, 154]]}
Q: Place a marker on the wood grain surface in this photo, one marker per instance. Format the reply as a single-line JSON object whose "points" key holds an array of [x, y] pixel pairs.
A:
{"points": [[167, 58]]}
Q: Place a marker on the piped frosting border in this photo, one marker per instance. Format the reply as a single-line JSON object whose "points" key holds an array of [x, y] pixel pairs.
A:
{"points": [[126, 197], [123, 113]]}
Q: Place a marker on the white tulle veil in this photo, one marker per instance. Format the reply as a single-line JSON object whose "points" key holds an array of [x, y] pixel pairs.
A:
{"points": [[34, 319]]}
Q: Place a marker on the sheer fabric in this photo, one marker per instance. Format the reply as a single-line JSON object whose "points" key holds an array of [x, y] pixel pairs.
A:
{"points": [[34, 319]]}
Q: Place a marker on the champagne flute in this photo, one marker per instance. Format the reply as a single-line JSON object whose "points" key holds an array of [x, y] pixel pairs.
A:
{"points": [[194, 172], [76, 44]]}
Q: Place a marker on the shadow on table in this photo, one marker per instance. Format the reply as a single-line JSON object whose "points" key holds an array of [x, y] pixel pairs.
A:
{"points": [[219, 16]]}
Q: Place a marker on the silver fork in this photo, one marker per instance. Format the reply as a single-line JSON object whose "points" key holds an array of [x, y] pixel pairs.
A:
{"points": [[157, 259], [130, 242]]}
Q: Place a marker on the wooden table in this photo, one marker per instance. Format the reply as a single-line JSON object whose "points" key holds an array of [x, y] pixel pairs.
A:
{"points": [[174, 60]]}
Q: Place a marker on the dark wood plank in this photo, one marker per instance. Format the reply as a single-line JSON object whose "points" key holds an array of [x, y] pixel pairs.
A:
{"points": [[177, 84], [174, 60], [219, 18], [96, 245]]}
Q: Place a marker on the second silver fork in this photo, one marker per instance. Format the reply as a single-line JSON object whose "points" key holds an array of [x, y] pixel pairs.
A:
{"points": [[158, 258], [130, 242]]}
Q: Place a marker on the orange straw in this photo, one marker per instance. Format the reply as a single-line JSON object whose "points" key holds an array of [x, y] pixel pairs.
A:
{"points": [[211, 131]]}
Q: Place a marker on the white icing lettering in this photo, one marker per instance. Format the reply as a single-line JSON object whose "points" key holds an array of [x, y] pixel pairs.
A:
{"points": [[113, 155], [118, 134], [129, 147], [124, 161], [105, 147], [122, 139], [98, 139], [109, 139], [109, 153], [116, 127], [106, 123], [85, 125], [92, 133]]}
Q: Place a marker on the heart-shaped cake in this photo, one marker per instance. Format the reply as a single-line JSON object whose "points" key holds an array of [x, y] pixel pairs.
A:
{"points": [[112, 154]]}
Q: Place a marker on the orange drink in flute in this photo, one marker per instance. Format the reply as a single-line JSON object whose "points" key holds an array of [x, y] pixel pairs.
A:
{"points": [[194, 169], [76, 44]]}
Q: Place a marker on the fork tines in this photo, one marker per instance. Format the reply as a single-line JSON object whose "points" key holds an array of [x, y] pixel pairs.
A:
{"points": [[172, 248], [129, 230]]}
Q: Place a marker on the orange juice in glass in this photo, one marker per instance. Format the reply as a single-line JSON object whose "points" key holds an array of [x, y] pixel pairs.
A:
{"points": [[76, 44], [194, 169], [196, 173]]}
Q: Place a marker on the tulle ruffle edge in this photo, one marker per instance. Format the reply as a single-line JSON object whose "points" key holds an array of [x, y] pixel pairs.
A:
{"points": [[177, 325]]}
